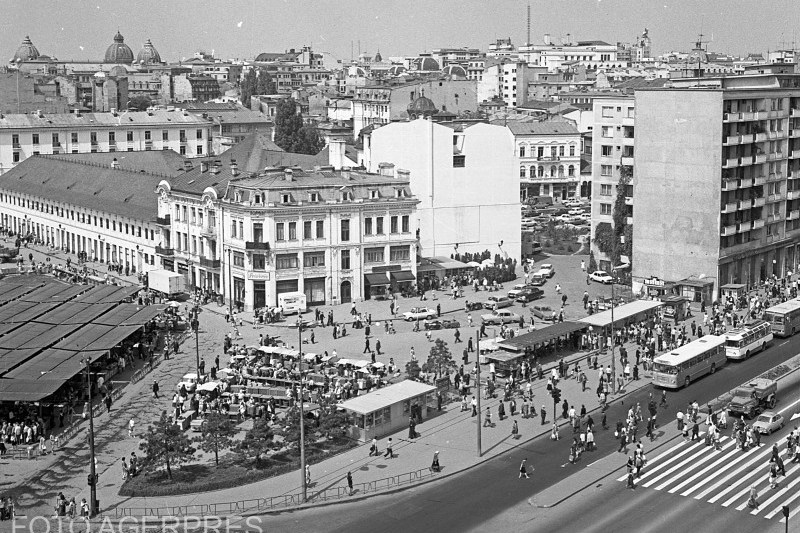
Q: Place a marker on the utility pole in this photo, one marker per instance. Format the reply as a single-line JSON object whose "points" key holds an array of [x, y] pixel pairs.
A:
{"points": [[92, 470], [196, 328], [613, 340], [302, 415], [478, 386]]}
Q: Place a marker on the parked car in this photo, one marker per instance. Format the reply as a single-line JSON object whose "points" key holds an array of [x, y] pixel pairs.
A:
{"points": [[601, 276], [768, 422], [548, 269], [442, 324], [530, 294], [419, 313], [500, 316], [497, 302], [518, 288], [539, 278], [189, 381], [543, 312], [575, 211]]}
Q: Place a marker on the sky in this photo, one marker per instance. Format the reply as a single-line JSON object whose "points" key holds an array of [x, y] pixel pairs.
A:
{"points": [[83, 29]]}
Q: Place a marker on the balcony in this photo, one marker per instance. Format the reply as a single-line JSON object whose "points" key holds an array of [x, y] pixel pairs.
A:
{"points": [[759, 158], [56, 144], [760, 115], [727, 231], [168, 252], [759, 202], [759, 180], [730, 207], [761, 137], [629, 221], [794, 132], [775, 197], [629, 200], [730, 184], [730, 162], [209, 263], [731, 117], [208, 231], [16, 146], [795, 154], [627, 160], [164, 221], [741, 205], [252, 245], [793, 215], [774, 218], [741, 227], [183, 141], [774, 156], [793, 195], [748, 115], [554, 158], [732, 139], [758, 223], [795, 112]]}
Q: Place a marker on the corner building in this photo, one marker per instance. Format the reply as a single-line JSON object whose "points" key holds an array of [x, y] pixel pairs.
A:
{"points": [[717, 181]]}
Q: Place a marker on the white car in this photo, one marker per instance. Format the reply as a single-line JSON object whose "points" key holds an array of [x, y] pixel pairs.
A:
{"points": [[419, 313], [547, 269], [500, 316], [518, 288], [767, 422], [601, 276], [575, 212], [189, 381]]}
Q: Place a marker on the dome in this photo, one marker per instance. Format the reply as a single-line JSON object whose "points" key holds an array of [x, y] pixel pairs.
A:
{"points": [[422, 107], [397, 70], [118, 71], [119, 52], [455, 70], [26, 51], [427, 64], [148, 54]]}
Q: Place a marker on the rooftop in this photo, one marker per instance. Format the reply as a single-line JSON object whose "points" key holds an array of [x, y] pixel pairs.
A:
{"points": [[539, 128], [376, 400], [163, 162], [88, 120]]}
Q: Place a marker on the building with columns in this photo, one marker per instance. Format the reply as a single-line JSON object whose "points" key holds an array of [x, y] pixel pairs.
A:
{"points": [[337, 236]]}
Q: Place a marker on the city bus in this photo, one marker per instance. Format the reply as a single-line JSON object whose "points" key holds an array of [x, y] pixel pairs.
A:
{"points": [[784, 317], [692, 361], [754, 337]]}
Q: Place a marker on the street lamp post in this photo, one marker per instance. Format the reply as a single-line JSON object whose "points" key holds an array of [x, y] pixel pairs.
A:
{"points": [[302, 415], [196, 328], [478, 386], [92, 469]]}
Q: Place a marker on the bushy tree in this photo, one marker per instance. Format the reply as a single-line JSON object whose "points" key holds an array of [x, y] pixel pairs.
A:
{"points": [[413, 369], [216, 434], [166, 444], [291, 133], [440, 360], [140, 102], [258, 440]]}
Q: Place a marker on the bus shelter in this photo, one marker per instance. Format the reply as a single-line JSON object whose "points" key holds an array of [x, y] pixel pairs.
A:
{"points": [[538, 343], [387, 410], [624, 315]]}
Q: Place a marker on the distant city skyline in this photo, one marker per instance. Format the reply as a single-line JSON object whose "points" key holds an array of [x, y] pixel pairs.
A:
{"points": [[241, 29]]}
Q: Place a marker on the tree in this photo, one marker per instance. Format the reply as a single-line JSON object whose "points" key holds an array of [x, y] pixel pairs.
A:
{"points": [[140, 102], [247, 87], [291, 133], [264, 83], [440, 360], [258, 440], [216, 434], [620, 217], [412, 369], [166, 444], [604, 237]]}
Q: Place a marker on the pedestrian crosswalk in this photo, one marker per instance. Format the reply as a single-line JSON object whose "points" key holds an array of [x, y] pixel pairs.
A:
{"points": [[723, 476]]}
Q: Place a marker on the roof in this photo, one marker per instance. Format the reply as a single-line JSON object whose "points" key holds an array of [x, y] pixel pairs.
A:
{"points": [[381, 398], [539, 336], [641, 83], [592, 43], [440, 263], [257, 151], [540, 128], [100, 120], [622, 312], [122, 192], [166, 162]]}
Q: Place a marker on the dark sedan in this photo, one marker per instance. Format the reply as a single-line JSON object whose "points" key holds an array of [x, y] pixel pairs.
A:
{"points": [[442, 324], [530, 294]]}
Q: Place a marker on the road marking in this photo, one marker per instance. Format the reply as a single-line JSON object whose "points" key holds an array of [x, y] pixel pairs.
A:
{"points": [[774, 496], [700, 452], [787, 502], [789, 406], [661, 465], [703, 471], [738, 481], [732, 474]]}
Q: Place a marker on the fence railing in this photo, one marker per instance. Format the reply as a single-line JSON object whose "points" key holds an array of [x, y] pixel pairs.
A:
{"points": [[279, 502]]}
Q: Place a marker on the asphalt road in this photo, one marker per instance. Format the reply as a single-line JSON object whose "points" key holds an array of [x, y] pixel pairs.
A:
{"points": [[492, 493]]}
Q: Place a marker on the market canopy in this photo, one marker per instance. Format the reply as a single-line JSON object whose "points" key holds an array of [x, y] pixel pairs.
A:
{"points": [[385, 397], [24, 390], [622, 313], [541, 336]]}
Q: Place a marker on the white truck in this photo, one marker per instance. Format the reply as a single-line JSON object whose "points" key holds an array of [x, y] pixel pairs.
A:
{"points": [[166, 282]]}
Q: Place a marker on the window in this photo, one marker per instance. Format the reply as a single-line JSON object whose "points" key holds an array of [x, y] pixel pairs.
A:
{"points": [[259, 262], [379, 226], [279, 236], [571, 170], [345, 233], [199, 134], [193, 213], [607, 112], [313, 197], [182, 136], [147, 135], [164, 135], [320, 229], [605, 209], [393, 224], [16, 157], [15, 139], [285, 261], [238, 259], [522, 150], [561, 151], [607, 131], [605, 189], [345, 259], [292, 231], [399, 253], [522, 173], [459, 161], [258, 232], [286, 198], [314, 259], [406, 226], [241, 229], [55, 140], [183, 150], [194, 245], [35, 138], [93, 137], [307, 229], [130, 136], [606, 151], [373, 255], [233, 229], [199, 149], [374, 195], [606, 170], [367, 226]]}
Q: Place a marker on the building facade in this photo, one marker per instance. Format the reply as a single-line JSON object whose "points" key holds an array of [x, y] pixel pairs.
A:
{"points": [[612, 164], [337, 236], [718, 181], [22, 136]]}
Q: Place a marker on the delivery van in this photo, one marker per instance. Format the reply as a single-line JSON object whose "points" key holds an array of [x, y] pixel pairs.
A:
{"points": [[292, 302]]}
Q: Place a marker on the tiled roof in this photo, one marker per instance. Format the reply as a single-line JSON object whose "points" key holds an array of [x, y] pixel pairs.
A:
{"points": [[98, 187], [166, 162], [257, 151], [540, 128], [89, 120]]}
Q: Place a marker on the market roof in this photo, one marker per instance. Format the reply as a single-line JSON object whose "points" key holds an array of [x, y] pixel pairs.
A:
{"points": [[100, 188], [440, 263], [539, 336], [621, 313], [380, 398]]}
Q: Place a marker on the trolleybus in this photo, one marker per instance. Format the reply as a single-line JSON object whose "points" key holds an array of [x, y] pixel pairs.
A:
{"points": [[784, 317], [746, 340]]}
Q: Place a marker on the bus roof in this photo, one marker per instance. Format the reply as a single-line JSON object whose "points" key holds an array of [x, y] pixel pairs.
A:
{"points": [[785, 307], [687, 351], [742, 330]]}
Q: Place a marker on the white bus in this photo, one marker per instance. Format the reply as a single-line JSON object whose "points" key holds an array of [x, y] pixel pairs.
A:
{"points": [[742, 342], [784, 317], [689, 362]]}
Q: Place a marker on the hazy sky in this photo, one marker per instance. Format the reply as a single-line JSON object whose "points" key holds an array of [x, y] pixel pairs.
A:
{"points": [[82, 29]]}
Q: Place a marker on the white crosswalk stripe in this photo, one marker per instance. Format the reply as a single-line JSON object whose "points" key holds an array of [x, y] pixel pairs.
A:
{"points": [[724, 476]]}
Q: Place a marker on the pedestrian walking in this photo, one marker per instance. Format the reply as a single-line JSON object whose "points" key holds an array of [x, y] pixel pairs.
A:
{"points": [[131, 425], [373, 449], [752, 502], [350, 483], [523, 469], [515, 430], [487, 421], [308, 475], [544, 414], [155, 389], [389, 452]]}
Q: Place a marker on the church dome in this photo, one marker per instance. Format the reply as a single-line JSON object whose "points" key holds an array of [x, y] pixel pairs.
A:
{"points": [[422, 107], [26, 51], [119, 52], [148, 54]]}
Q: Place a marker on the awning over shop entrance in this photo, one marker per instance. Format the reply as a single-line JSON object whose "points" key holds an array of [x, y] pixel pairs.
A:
{"points": [[376, 280], [402, 276]]}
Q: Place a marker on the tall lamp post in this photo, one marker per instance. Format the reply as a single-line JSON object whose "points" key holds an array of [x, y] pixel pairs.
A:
{"points": [[614, 270], [302, 413], [92, 470], [196, 328], [478, 387]]}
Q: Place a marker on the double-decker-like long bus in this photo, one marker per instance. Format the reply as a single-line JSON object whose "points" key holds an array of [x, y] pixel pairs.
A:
{"points": [[690, 362]]}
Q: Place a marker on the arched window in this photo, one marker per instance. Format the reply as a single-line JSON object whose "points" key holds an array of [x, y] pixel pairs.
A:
{"points": [[571, 170], [522, 150], [541, 171], [522, 172], [560, 171], [552, 171], [532, 171]]}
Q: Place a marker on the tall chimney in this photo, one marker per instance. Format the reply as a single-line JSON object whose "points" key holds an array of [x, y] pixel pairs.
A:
{"points": [[336, 155], [187, 165], [288, 174], [203, 166], [234, 168], [547, 39]]}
